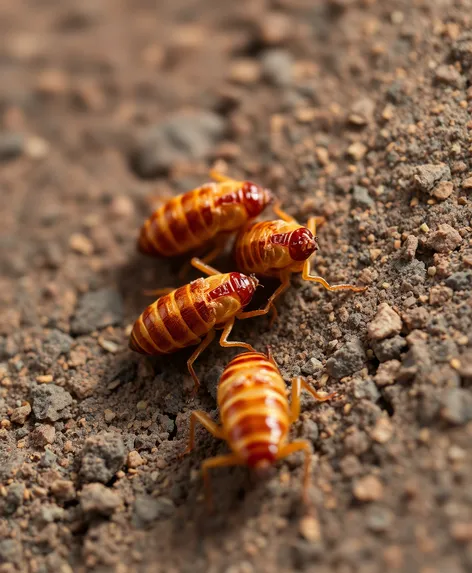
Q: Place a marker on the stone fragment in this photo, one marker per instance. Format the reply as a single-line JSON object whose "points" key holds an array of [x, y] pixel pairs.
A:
{"points": [[102, 456], [385, 324]]}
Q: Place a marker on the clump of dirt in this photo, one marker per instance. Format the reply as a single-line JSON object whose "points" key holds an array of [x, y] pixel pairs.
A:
{"points": [[359, 111]]}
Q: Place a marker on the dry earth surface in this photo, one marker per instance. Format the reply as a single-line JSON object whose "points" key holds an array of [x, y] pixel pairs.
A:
{"points": [[357, 110]]}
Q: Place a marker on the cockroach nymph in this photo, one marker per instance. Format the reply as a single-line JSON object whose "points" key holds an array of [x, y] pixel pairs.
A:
{"points": [[189, 315], [255, 417], [278, 249], [204, 217]]}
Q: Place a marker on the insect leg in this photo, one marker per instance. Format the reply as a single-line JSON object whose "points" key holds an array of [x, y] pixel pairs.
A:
{"points": [[297, 384], [200, 348], [314, 222], [305, 446], [306, 276], [282, 214], [216, 462], [203, 267], [207, 423], [235, 343], [158, 292], [270, 303]]}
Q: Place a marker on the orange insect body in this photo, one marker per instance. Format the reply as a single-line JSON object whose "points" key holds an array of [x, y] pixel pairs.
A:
{"points": [[269, 247], [195, 219], [183, 316], [278, 249], [255, 415]]}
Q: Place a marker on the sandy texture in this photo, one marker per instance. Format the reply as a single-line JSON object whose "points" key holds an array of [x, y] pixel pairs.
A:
{"points": [[357, 110]]}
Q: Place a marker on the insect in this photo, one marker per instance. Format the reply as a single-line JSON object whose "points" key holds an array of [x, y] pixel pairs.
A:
{"points": [[255, 416], [189, 315], [208, 214], [279, 249]]}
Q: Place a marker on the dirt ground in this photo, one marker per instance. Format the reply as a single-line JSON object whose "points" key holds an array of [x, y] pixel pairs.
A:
{"points": [[357, 110]]}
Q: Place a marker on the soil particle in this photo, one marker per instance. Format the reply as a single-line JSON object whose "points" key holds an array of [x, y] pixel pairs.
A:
{"points": [[382, 431], [277, 67], [311, 367], [457, 406], [361, 197], [20, 415], [95, 499], [389, 349], [148, 509], [182, 137], [14, 498], [410, 246], [368, 488], [134, 460], [428, 176], [462, 50], [97, 310], [385, 324], [444, 240], [43, 435], [12, 145], [379, 518], [55, 344], [10, 552], [63, 490], [102, 456], [462, 280], [443, 190], [348, 359], [51, 402], [387, 373], [449, 75]]}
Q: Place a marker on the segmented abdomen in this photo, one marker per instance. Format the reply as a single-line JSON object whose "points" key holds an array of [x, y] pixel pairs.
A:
{"points": [[250, 249], [183, 224], [253, 407], [174, 321]]}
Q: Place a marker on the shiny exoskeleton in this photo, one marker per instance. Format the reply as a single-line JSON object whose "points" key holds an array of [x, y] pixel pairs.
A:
{"points": [[203, 217], [255, 416], [189, 315], [279, 249]]}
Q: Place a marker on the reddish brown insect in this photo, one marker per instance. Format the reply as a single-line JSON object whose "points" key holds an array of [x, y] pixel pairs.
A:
{"points": [[182, 317], [255, 416], [278, 249], [206, 215]]}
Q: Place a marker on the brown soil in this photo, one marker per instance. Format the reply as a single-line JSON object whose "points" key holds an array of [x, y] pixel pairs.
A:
{"points": [[358, 110]]}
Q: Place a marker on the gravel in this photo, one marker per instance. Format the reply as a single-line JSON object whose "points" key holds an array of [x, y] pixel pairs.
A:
{"points": [[347, 360], [385, 324], [457, 406], [428, 176], [51, 402], [277, 67], [102, 456], [389, 349], [97, 499]]}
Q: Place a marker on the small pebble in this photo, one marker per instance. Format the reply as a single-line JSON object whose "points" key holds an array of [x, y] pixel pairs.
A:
{"points": [[357, 150], [368, 488], [95, 498], [383, 431], [81, 244], [385, 324], [310, 528], [134, 460]]}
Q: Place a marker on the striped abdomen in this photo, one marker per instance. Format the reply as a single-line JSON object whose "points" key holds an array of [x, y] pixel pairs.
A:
{"points": [[253, 250], [174, 321], [183, 224], [253, 406]]}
